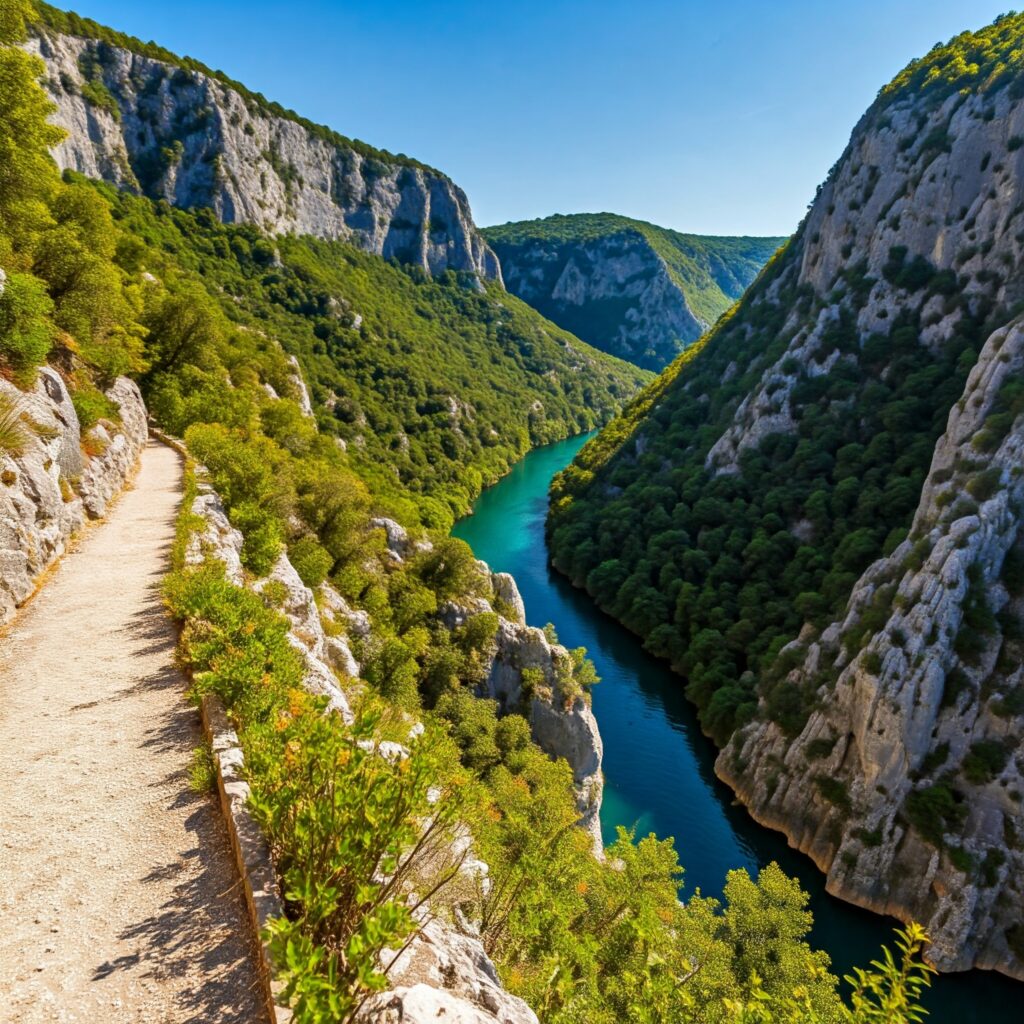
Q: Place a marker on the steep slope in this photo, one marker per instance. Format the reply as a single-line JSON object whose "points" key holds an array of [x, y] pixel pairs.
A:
{"points": [[167, 127], [630, 288], [814, 516], [434, 386]]}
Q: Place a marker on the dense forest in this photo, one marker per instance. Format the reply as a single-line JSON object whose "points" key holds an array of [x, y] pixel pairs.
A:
{"points": [[716, 579], [435, 386], [205, 318]]}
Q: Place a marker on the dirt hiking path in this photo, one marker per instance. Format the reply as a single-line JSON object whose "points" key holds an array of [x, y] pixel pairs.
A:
{"points": [[119, 899]]}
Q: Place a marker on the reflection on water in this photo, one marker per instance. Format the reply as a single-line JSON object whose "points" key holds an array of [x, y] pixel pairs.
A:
{"points": [[658, 765]]}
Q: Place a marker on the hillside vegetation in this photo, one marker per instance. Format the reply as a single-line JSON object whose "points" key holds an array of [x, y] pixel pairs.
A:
{"points": [[434, 386], [104, 284], [631, 288]]}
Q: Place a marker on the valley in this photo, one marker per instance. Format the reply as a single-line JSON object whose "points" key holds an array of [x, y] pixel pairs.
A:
{"points": [[590, 621]]}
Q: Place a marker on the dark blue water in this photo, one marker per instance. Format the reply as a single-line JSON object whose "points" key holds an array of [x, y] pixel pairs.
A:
{"points": [[658, 766]]}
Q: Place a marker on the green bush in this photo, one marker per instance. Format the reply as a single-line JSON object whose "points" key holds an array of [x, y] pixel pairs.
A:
{"points": [[311, 561], [934, 811], [985, 760], [26, 331]]}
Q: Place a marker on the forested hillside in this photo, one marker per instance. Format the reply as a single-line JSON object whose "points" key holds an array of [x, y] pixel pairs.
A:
{"points": [[731, 514], [630, 288], [434, 386]]}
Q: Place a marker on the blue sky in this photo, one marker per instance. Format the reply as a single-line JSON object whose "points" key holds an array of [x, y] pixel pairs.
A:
{"points": [[712, 116]]}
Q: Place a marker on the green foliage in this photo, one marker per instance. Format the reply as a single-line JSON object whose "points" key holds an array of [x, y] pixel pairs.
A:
{"points": [[96, 93], [56, 240], [985, 760], [719, 571], [14, 434], [711, 272], [26, 330], [834, 791], [436, 393], [972, 62], [202, 774], [311, 560], [935, 811], [351, 832]]}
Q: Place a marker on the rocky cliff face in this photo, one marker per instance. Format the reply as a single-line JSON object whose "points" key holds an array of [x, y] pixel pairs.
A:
{"points": [[614, 292], [824, 507], [637, 291], [561, 721], [904, 784], [189, 138], [59, 477]]}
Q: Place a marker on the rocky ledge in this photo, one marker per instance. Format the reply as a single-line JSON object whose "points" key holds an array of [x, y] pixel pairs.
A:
{"points": [[58, 476]]}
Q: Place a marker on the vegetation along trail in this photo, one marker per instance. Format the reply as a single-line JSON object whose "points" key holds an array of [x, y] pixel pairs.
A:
{"points": [[120, 900], [658, 766]]}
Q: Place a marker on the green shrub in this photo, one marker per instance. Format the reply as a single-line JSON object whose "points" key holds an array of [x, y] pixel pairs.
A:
{"points": [[984, 761], [14, 433], [934, 811], [91, 406], [834, 791], [311, 560], [26, 330]]}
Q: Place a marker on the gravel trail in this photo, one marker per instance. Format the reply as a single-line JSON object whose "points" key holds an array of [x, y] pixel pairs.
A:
{"points": [[119, 898]]}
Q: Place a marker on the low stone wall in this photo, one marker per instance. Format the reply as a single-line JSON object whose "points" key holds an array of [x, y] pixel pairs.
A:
{"points": [[252, 855]]}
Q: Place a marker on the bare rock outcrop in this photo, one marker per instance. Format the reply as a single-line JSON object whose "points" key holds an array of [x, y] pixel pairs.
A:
{"points": [[194, 140], [444, 975], [57, 479]]}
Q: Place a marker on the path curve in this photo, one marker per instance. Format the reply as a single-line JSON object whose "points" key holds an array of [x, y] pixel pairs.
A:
{"points": [[119, 898]]}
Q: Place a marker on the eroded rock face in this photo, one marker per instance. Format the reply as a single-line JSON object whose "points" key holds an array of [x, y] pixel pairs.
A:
{"points": [[638, 291], [52, 487], [562, 722], [909, 707], [445, 976], [192, 140], [614, 292]]}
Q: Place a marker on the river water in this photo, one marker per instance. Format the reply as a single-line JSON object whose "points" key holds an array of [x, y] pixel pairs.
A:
{"points": [[658, 765]]}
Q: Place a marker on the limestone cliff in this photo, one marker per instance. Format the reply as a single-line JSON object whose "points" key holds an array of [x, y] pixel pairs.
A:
{"points": [[196, 140], [816, 517], [58, 476], [905, 782], [635, 290]]}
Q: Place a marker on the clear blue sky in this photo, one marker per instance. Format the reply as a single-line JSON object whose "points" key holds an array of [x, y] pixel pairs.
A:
{"points": [[712, 116]]}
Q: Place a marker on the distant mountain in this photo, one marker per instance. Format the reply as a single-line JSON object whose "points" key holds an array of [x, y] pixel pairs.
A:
{"points": [[633, 289]]}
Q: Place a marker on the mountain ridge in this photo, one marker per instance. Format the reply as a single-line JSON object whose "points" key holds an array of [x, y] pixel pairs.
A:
{"points": [[167, 127]]}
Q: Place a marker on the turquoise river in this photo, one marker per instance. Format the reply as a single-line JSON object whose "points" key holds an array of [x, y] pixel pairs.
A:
{"points": [[657, 763]]}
